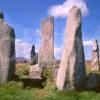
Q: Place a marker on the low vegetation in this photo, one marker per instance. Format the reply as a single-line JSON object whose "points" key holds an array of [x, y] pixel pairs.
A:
{"points": [[15, 90]]}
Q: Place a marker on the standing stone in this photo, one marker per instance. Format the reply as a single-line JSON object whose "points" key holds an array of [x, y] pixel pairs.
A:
{"points": [[34, 56], [7, 51], [46, 52], [72, 67], [95, 56]]}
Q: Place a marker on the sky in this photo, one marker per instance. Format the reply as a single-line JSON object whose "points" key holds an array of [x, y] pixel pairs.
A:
{"points": [[25, 17]]}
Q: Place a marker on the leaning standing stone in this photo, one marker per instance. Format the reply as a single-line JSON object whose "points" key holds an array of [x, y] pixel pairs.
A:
{"points": [[72, 67], [46, 52], [95, 56], [7, 51]]}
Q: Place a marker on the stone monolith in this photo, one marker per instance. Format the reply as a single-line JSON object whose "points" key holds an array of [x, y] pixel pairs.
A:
{"points": [[71, 73], [46, 52], [7, 51], [95, 56], [34, 56]]}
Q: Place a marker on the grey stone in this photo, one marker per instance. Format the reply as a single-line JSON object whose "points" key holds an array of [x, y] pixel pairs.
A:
{"points": [[93, 82], [35, 72], [71, 74], [95, 56], [34, 56], [7, 51], [55, 71], [46, 51], [1, 15]]}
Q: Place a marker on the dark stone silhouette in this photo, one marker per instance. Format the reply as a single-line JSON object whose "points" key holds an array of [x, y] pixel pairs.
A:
{"points": [[34, 56]]}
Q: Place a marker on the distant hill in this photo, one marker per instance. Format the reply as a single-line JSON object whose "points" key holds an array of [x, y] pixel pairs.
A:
{"points": [[22, 60]]}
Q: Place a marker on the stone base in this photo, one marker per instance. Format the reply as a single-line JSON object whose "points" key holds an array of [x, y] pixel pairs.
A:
{"points": [[35, 72]]}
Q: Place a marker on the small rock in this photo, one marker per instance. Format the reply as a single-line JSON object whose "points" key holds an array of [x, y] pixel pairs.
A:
{"points": [[35, 72]]}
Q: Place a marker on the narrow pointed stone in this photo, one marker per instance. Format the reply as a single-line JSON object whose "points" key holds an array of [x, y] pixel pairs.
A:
{"points": [[71, 73], [1, 15], [33, 56], [95, 56]]}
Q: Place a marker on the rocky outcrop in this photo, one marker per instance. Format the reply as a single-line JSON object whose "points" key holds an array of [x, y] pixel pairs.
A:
{"points": [[46, 51], [7, 51], [34, 56], [95, 56], [72, 72]]}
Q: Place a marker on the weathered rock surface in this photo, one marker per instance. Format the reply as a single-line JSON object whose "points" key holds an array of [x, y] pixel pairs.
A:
{"points": [[55, 72], [7, 51], [35, 72], [93, 82], [46, 52], [34, 56], [95, 56], [72, 72]]}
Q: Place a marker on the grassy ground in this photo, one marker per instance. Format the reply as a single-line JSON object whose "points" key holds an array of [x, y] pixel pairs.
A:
{"points": [[15, 90]]}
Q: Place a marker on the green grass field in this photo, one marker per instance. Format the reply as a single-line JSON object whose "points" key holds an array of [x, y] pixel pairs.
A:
{"points": [[15, 90]]}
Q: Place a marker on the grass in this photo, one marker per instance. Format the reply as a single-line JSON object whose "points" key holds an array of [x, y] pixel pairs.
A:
{"points": [[88, 69], [14, 90], [22, 70]]}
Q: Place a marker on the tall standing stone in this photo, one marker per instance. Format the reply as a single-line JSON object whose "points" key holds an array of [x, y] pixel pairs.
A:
{"points": [[34, 56], [95, 56], [72, 67], [46, 52], [7, 51]]}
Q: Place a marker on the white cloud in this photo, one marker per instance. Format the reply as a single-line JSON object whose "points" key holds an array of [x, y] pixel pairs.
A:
{"points": [[22, 48], [37, 31], [57, 50], [62, 10], [88, 43]]}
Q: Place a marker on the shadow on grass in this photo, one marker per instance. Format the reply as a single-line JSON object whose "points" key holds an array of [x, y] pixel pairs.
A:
{"points": [[31, 82], [92, 82]]}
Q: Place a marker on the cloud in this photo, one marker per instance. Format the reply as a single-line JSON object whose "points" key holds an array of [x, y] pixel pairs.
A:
{"points": [[37, 31], [22, 48], [57, 50], [88, 43], [62, 10]]}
